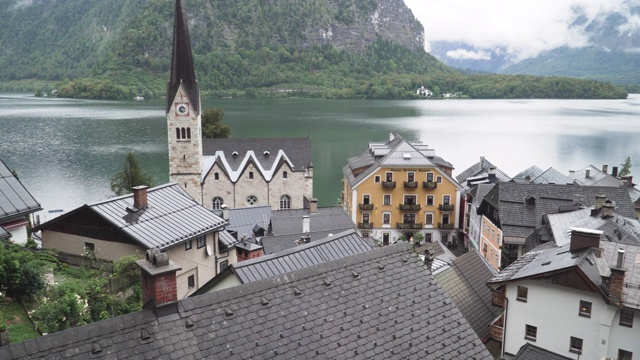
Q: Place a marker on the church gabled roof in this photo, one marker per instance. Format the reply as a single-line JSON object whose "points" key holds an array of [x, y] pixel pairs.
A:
{"points": [[182, 70]]}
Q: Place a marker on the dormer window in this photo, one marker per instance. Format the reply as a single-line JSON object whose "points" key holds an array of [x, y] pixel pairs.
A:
{"points": [[530, 200]]}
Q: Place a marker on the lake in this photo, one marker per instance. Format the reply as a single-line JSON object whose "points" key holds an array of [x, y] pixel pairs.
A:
{"points": [[66, 150]]}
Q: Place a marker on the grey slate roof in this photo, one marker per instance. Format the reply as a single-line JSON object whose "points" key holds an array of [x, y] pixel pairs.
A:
{"points": [[171, 218], [552, 176], [527, 175], [15, 200], [380, 304], [331, 248], [465, 282], [481, 168], [287, 222], [275, 244], [529, 351], [616, 228], [596, 177], [548, 258], [297, 150], [517, 220], [243, 220]]}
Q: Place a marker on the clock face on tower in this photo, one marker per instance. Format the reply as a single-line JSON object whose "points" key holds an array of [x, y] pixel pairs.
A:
{"points": [[182, 109]]}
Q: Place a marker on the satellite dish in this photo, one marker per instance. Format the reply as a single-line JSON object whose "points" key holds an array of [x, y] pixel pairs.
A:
{"points": [[209, 250]]}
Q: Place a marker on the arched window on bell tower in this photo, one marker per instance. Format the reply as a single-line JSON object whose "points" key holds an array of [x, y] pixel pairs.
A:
{"points": [[183, 132], [188, 133]]}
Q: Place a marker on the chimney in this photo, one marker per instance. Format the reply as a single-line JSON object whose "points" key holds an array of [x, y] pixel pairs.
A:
{"points": [[605, 168], [616, 282], [492, 173], [584, 239], [159, 286], [607, 209], [627, 181], [306, 223], [587, 173], [572, 174], [247, 250], [481, 162], [140, 197], [614, 171], [313, 205], [391, 137], [225, 212], [600, 199]]}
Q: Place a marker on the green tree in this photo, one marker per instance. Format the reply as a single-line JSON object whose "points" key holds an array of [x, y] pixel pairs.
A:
{"points": [[626, 167], [212, 126], [132, 175]]}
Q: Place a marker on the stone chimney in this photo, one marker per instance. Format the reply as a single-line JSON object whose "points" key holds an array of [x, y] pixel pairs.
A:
{"points": [[225, 212], [572, 174], [248, 250], [607, 209], [584, 239], [600, 199], [614, 171], [616, 282], [140, 197], [313, 206], [481, 162], [605, 168], [159, 286], [306, 223]]}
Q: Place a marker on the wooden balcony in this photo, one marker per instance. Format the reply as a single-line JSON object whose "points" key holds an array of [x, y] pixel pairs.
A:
{"points": [[408, 225], [497, 299], [410, 185], [446, 207], [365, 226], [366, 206], [388, 184], [429, 185], [496, 329], [442, 226], [409, 207]]}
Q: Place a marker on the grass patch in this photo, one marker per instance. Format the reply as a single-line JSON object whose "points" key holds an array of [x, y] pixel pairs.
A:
{"points": [[15, 318]]}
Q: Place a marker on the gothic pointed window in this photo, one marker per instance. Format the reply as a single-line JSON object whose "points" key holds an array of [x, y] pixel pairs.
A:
{"points": [[183, 133]]}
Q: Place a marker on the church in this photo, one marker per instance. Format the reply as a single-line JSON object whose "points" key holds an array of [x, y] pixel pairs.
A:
{"points": [[232, 172]]}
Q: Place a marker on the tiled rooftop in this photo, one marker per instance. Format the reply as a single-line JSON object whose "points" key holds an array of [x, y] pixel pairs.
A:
{"points": [[381, 304], [15, 200]]}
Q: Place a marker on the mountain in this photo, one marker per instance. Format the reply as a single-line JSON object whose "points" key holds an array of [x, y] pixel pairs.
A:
{"points": [[610, 54]]}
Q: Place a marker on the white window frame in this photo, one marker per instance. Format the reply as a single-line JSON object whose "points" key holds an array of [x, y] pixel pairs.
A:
{"points": [[390, 200], [389, 223], [426, 223]]}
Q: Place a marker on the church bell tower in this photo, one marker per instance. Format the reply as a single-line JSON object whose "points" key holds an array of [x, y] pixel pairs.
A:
{"points": [[184, 112]]}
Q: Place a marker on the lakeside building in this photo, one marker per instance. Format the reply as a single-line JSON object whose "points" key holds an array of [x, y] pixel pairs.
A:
{"points": [[16, 206], [578, 300], [401, 190], [164, 217], [235, 172]]}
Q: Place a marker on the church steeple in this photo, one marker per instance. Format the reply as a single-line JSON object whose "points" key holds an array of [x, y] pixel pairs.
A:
{"points": [[182, 70]]}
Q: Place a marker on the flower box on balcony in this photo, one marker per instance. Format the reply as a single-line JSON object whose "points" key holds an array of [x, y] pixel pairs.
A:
{"points": [[446, 207], [366, 206], [365, 225], [410, 185], [388, 184], [429, 185], [409, 207], [442, 226]]}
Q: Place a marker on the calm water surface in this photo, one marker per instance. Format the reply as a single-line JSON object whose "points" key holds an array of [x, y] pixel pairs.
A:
{"points": [[66, 150]]}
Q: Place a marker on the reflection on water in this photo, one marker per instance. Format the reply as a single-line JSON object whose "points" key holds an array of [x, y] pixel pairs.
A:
{"points": [[65, 150]]}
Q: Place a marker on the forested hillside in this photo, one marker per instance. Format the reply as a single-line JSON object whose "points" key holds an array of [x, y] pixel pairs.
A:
{"points": [[321, 48]]}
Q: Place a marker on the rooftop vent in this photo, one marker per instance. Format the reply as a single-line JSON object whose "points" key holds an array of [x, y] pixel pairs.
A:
{"points": [[234, 154], [266, 153], [406, 156]]}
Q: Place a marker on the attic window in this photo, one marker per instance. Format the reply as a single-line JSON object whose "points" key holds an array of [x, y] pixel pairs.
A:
{"points": [[530, 200], [406, 156], [234, 154]]}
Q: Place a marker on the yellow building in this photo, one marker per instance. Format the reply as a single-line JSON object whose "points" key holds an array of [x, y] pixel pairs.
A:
{"points": [[399, 189]]}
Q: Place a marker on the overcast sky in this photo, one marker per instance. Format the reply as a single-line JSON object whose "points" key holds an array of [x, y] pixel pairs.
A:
{"points": [[523, 27]]}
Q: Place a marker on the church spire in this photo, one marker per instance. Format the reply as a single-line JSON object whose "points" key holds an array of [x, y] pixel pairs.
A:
{"points": [[182, 70]]}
